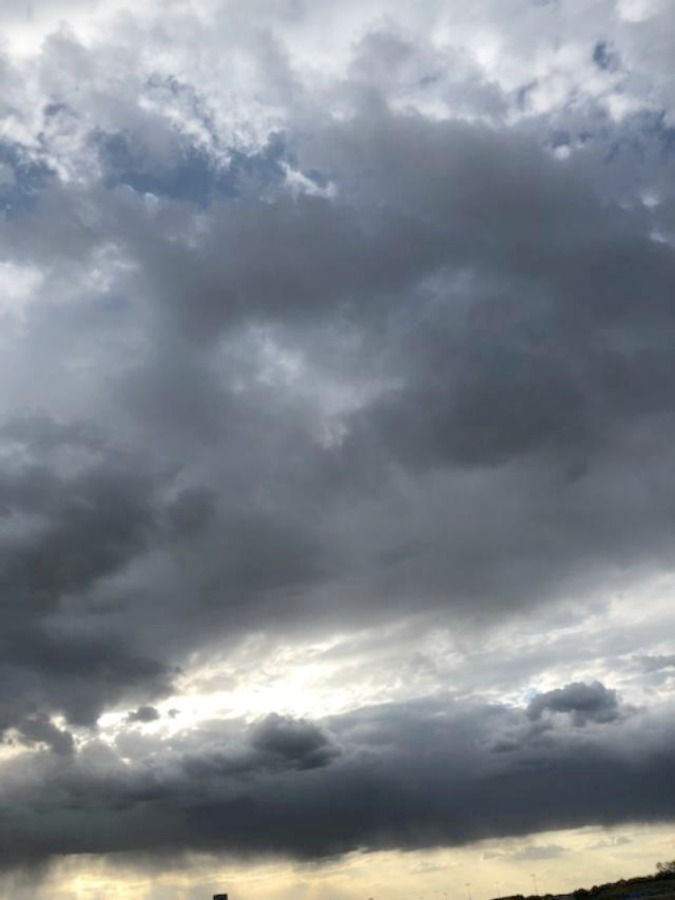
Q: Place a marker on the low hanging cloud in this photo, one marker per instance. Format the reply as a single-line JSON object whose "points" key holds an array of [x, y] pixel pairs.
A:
{"points": [[143, 715], [583, 702], [40, 730], [293, 743], [421, 774]]}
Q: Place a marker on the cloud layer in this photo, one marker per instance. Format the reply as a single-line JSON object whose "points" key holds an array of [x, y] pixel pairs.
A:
{"points": [[317, 324], [422, 774]]}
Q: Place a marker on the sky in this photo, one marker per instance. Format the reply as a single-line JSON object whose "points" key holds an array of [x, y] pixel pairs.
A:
{"points": [[337, 354]]}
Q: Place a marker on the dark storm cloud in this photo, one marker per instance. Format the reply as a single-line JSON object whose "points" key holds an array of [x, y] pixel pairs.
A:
{"points": [[39, 730], [294, 743], [510, 335], [559, 335], [406, 776], [143, 714], [76, 510], [584, 703], [525, 328]]}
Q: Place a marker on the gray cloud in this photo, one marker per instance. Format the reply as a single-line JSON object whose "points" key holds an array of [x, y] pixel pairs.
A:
{"points": [[39, 730], [383, 353], [143, 714], [76, 510], [406, 776], [583, 702], [657, 663], [297, 744]]}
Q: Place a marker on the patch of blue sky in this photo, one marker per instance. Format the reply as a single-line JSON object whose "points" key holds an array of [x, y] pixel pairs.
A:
{"points": [[523, 94], [665, 134], [171, 91], [605, 57], [560, 139], [645, 138], [318, 178], [196, 176], [192, 174], [54, 109], [22, 176]]}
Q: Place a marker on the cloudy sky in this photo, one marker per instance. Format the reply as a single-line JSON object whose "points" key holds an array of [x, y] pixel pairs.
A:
{"points": [[337, 427]]}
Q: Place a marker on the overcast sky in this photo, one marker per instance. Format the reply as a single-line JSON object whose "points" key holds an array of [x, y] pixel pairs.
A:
{"points": [[337, 427]]}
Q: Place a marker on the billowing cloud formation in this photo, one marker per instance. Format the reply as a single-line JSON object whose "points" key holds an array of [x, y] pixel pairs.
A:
{"points": [[584, 702], [419, 774], [297, 744], [303, 340]]}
